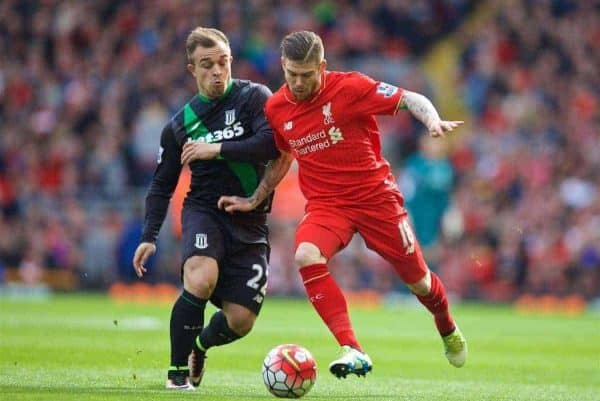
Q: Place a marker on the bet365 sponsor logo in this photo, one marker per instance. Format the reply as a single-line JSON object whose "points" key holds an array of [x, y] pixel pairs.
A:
{"points": [[226, 133]]}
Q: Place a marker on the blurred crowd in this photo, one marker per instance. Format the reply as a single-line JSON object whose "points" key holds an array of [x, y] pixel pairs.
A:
{"points": [[527, 197], [512, 205]]}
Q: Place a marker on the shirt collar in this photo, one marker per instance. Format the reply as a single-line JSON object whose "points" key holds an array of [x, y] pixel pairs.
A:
{"points": [[227, 90]]}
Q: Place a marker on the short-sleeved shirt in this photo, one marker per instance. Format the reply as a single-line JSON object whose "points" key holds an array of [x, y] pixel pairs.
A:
{"points": [[335, 138]]}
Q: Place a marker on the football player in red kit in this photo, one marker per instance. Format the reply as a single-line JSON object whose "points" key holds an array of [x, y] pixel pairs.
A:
{"points": [[326, 120]]}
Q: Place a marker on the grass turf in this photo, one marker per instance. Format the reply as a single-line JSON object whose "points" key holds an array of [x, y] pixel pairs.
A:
{"points": [[84, 347]]}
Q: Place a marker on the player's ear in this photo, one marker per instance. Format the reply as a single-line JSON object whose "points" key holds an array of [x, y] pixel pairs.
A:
{"points": [[322, 65], [282, 62], [190, 68]]}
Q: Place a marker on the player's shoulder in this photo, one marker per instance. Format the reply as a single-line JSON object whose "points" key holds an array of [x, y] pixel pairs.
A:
{"points": [[251, 88], [190, 108], [278, 98], [348, 78]]}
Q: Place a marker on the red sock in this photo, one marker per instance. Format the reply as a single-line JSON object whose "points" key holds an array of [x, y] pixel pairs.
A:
{"points": [[437, 303], [329, 302]]}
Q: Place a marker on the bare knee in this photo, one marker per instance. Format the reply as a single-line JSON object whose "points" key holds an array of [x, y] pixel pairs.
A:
{"points": [[423, 286], [308, 254], [200, 274], [239, 319]]}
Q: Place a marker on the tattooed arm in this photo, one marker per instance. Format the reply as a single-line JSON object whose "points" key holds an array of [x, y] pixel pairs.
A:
{"points": [[420, 107], [274, 173]]}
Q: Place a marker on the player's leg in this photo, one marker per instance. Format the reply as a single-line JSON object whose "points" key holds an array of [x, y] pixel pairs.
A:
{"points": [[389, 234], [431, 293], [226, 326], [239, 293], [319, 236], [202, 247]]}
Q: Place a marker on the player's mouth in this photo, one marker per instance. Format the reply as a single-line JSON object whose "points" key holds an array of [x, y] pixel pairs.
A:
{"points": [[299, 92], [218, 87]]}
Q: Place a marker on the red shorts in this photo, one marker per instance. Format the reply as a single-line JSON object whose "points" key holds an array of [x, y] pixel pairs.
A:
{"points": [[386, 230]]}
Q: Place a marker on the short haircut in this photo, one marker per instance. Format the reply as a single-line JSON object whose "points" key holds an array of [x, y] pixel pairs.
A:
{"points": [[303, 46], [205, 37]]}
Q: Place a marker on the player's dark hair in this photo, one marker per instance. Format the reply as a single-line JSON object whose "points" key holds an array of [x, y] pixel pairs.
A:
{"points": [[302, 46], [205, 37]]}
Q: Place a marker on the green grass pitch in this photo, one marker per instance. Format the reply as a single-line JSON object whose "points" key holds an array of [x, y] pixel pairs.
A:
{"points": [[83, 347]]}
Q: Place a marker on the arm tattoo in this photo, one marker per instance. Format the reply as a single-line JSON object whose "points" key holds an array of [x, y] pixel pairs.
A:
{"points": [[276, 170], [420, 107]]}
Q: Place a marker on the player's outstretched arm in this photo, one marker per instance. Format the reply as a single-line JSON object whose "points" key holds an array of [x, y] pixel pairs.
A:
{"points": [[274, 173], [424, 111]]}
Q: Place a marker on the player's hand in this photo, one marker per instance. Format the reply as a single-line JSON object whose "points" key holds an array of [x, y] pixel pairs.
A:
{"points": [[142, 253], [439, 128], [196, 150], [236, 204]]}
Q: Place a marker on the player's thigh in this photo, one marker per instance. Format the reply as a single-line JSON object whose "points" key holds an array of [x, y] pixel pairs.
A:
{"points": [[392, 237], [203, 244], [243, 277], [327, 230]]}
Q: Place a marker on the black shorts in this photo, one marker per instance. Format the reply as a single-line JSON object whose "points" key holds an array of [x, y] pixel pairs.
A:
{"points": [[241, 249]]}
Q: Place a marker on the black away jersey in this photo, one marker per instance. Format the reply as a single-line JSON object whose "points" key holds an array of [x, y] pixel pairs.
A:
{"points": [[237, 115]]}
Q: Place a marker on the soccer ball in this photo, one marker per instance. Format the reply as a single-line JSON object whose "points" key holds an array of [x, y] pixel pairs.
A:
{"points": [[289, 371]]}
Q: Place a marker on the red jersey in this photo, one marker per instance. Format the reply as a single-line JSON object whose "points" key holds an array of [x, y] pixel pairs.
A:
{"points": [[335, 138]]}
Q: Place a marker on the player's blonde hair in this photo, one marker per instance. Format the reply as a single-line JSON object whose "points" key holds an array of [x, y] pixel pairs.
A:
{"points": [[205, 37], [303, 46]]}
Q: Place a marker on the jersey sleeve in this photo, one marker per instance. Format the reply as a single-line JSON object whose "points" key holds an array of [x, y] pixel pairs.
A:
{"points": [[280, 142], [260, 146], [368, 96], [163, 184]]}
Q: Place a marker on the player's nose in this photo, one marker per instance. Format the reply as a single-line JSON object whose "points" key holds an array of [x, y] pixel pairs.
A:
{"points": [[217, 70]]}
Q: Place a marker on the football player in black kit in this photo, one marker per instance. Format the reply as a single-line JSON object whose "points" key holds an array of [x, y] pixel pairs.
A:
{"points": [[225, 255]]}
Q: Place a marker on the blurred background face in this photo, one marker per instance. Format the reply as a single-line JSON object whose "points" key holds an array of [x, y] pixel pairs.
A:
{"points": [[212, 69], [303, 79]]}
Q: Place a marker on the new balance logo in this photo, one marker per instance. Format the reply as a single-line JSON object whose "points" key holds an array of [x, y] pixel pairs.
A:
{"points": [[201, 241], [193, 127], [335, 135], [287, 125], [327, 113]]}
